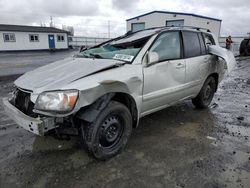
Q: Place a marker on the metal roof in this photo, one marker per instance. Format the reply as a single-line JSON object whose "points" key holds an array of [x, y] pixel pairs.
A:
{"points": [[23, 28], [178, 13]]}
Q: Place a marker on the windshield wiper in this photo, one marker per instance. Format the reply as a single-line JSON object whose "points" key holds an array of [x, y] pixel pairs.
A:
{"points": [[89, 55], [82, 55], [95, 55]]}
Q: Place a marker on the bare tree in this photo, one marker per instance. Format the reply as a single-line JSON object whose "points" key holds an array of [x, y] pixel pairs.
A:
{"points": [[70, 29]]}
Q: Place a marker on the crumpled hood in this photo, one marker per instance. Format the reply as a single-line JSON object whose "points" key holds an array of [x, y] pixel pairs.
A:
{"points": [[55, 75]]}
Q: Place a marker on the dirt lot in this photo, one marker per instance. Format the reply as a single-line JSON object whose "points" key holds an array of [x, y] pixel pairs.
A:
{"points": [[176, 147]]}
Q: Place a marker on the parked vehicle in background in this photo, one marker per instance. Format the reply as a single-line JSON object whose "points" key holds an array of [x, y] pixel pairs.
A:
{"points": [[101, 93], [245, 47]]}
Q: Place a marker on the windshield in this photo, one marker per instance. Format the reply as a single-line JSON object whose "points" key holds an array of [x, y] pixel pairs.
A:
{"points": [[123, 48]]}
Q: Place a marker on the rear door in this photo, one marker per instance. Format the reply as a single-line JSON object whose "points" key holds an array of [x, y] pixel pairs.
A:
{"points": [[165, 79], [197, 61]]}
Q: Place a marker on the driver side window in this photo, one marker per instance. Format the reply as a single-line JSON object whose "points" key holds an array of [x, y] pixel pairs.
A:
{"points": [[167, 46]]}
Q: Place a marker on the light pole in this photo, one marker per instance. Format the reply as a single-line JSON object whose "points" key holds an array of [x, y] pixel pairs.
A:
{"points": [[109, 29]]}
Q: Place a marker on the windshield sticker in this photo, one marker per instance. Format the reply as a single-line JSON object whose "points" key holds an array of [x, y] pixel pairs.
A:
{"points": [[123, 57]]}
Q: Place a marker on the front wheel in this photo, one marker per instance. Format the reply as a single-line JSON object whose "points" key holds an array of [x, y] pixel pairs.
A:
{"points": [[205, 96], [109, 133]]}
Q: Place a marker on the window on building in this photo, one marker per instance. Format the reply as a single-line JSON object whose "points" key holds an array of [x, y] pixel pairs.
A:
{"points": [[174, 23], [34, 38], [167, 46], [191, 44], [60, 38], [9, 37], [137, 26]]}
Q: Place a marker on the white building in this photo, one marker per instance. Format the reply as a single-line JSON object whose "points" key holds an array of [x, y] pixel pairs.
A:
{"points": [[20, 38], [164, 18]]}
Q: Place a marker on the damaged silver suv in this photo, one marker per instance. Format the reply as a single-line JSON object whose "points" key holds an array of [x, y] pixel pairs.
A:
{"points": [[101, 93]]}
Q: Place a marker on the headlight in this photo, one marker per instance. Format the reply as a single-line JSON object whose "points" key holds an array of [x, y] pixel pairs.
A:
{"points": [[61, 101]]}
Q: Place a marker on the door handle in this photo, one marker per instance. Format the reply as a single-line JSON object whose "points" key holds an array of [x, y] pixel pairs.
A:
{"points": [[179, 66]]}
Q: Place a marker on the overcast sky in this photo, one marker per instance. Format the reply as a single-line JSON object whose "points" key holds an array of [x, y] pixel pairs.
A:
{"points": [[91, 17]]}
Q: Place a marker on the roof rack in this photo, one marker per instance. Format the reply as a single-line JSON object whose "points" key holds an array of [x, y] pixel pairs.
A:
{"points": [[160, 27], [193, 27]]}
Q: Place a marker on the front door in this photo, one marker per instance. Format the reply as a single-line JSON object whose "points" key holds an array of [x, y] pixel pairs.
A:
{"points": [[164, 80], [51, 39]]}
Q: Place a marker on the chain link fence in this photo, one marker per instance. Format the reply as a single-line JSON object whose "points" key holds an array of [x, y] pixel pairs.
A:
{"points": [[77, 41]]}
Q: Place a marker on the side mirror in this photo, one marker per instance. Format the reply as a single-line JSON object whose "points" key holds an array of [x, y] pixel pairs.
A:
{"points": [[152, 57]]}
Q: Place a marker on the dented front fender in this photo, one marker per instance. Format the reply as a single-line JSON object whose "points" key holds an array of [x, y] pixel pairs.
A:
{"points": [[127, 79]]}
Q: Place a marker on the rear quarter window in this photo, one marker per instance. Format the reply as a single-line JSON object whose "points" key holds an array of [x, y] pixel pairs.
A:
{"points": [[209, 40]]}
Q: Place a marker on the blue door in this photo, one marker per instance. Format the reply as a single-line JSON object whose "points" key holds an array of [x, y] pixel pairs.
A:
{"points": [[51, 41]]}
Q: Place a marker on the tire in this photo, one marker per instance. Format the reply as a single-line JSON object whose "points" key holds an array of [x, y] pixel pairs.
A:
{"points": [[206, 94], [109, 133], [247, 51], [245, 48]]}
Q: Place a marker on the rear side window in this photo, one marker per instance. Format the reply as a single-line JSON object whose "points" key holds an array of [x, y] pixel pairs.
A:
{"points": [[191, 44], [202, 44]]}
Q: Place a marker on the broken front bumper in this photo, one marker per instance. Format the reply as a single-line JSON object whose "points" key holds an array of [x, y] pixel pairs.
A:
{"points": [[38, 126]]}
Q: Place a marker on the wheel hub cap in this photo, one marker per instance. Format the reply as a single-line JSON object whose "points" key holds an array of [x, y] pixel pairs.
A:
{"points": [[207, 93], [111, 131]]}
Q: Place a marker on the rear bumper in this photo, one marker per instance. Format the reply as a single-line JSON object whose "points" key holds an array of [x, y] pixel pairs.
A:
{"points": [[38, 126]]}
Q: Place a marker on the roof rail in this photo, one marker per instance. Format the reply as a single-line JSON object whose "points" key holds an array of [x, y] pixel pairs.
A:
{"points": [[197, 28], [160, 27]]}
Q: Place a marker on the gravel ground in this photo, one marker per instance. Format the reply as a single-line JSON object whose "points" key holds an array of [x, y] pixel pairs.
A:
{"points": [[176, 147]]}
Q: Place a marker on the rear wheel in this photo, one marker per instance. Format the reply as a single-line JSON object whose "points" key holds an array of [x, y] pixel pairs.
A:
{"points": [[205, 96], [109, 133]]}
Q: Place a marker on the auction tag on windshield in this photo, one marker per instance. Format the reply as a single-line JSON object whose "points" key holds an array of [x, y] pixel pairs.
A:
{"points": [[123, 57]]}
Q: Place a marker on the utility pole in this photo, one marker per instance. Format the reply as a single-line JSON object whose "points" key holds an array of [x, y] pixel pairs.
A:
{"points": [[51, 22], [109, 29]]}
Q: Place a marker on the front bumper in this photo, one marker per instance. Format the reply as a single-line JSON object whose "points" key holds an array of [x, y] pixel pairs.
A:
{"points": [[38, 126]]}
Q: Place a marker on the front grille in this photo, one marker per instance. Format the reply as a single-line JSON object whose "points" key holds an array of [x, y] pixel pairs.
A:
{"points": [[22, 102]]}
